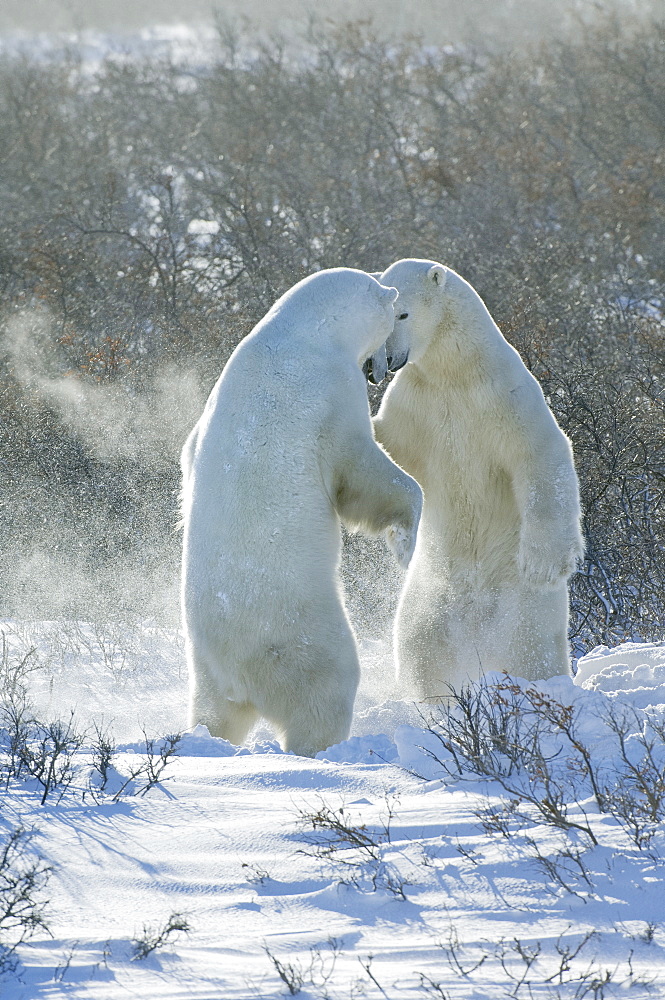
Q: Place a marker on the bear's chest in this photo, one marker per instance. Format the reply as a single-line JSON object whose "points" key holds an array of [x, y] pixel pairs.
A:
{"points": [[468, 429]]}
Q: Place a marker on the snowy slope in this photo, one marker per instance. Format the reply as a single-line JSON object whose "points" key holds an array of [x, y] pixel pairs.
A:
{"points": [[252, 848]]}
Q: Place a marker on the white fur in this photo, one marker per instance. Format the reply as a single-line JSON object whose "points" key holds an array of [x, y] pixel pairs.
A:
{"points": [[282, 451], [499, 534]]}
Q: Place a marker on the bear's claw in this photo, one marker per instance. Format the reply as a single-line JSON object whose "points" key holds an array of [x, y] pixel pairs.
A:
{"points": [[401, 543]]}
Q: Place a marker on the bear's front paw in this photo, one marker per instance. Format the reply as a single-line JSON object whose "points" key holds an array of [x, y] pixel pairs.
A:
{"points": [[401, 543], [545, 561]]}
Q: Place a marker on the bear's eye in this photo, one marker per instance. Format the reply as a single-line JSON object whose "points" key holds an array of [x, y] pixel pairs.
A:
{"points": [[403, 316]]}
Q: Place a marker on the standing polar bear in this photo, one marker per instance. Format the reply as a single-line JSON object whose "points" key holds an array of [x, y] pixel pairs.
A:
{"points": [[500, 529], [284, 449]]}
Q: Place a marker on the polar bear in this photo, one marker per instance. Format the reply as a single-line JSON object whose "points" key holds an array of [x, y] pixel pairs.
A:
{"points": [[283, 451], [500, 529]]}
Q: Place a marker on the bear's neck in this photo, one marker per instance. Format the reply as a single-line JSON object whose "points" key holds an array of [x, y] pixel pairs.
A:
{"points": [[467, 339]]}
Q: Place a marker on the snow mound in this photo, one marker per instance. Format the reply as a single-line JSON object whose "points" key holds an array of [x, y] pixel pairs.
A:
{"points": [[370, 749], [198, 742], [633, 671]]}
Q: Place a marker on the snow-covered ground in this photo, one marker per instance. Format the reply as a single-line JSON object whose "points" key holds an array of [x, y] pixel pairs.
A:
{"points": [[373, 871]]}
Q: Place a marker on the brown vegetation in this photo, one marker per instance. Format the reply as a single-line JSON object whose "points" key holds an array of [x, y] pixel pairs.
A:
{"points": [[153, 212]]}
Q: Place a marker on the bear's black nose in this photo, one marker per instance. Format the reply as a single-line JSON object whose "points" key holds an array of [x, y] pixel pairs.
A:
{"points": [[394, 364]]}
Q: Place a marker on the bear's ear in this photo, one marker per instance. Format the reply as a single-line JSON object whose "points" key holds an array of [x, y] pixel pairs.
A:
{"points": [[389, 293], [437, 274]]}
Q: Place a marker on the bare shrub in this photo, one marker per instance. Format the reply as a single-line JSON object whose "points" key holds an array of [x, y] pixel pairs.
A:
{"points": [[15, 669], [22, 880], [153, 938], [48, 754], [316, 973], [636, 794], [501, 731], [142, 777], [353, 849], [530, 744], [528, 968]]}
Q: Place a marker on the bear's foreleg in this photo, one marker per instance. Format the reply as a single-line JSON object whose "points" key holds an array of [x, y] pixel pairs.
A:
{"points": [[547, 495], [376, 496]]}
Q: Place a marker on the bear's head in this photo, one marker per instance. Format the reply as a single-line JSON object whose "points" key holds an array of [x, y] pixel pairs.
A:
{"points": [[420, 309], [347, 308]]}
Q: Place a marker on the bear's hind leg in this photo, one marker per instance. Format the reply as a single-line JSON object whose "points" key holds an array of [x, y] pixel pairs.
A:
{"points": [[230, 720], [312, 730], [540, 639], [426, 659], [317, 713], [425, 641]]}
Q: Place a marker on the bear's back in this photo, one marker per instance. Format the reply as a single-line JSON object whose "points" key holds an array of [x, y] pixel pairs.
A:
{"points": [[257, 501]]}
